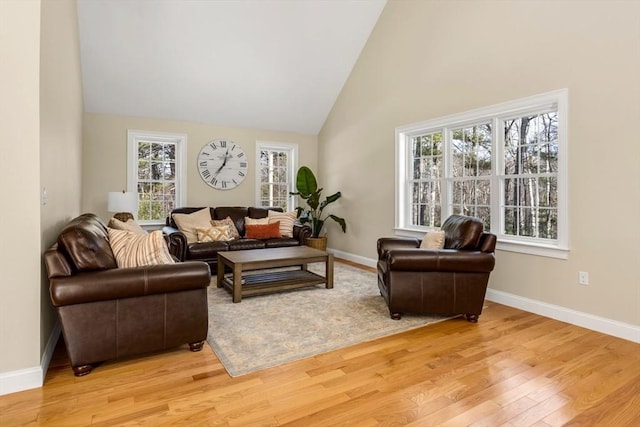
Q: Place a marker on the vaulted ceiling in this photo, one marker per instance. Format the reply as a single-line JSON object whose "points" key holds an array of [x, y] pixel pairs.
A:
{"points": [[266, 64]]}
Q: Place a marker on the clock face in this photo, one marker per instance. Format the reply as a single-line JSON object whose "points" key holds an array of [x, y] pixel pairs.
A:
{"points": [[222, 164]]}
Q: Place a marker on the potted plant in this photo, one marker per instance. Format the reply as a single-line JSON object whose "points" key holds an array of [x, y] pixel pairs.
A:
{"points": [[308, 190]]}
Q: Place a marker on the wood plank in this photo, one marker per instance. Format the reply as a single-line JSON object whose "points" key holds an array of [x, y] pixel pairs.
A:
{"points": [[511, 368]]}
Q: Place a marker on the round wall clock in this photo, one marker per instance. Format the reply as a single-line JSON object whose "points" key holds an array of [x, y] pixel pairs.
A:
{"points": [[222, 164]]}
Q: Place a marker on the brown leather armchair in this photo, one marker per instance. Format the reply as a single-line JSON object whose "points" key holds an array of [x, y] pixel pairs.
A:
{"points": [[448, 281], [108, 312]]}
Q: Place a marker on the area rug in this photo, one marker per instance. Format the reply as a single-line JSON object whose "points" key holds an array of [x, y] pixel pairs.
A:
{"points": [[269, 330]]}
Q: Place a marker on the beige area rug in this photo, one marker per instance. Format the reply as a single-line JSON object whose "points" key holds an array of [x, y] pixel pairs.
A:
{"points": [[270, 330]]}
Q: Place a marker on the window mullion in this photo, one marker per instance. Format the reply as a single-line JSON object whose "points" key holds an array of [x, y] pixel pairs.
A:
{"points": [[447, 175]]}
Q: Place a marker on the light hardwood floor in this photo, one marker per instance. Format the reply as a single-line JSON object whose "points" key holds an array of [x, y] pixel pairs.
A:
{"points": [[512, 368]]}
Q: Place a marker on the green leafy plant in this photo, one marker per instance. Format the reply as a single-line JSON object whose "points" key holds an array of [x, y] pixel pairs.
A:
{"points": [[308, 190]]}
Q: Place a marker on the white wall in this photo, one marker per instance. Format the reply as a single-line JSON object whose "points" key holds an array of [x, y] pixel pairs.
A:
{"points": [[41, 125], [19, 163], [105, 158], [60, 132], [427, 59]]}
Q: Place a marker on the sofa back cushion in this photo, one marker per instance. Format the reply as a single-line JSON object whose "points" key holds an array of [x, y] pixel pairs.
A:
{"points": [[85, 240], [462, 232], [237, 214]]}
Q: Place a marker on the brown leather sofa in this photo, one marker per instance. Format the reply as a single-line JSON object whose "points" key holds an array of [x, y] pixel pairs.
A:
{"points": [[108, 312], [208, 251], [448, 281]]}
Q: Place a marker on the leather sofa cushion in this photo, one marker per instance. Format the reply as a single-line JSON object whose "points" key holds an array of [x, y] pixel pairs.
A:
{"points": [[281, 243], [257, 212], [206, 250], [86, 241], [242, 244], [462, 232]]}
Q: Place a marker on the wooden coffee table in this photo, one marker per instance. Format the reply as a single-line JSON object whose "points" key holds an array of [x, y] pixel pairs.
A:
{"points": [[271, 281]]}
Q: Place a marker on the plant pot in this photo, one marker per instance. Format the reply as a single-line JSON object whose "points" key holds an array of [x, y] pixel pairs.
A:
{"points": [[317, 242]]}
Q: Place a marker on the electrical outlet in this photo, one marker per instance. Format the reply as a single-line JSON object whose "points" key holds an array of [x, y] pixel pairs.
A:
{"points": [[583, 278]]}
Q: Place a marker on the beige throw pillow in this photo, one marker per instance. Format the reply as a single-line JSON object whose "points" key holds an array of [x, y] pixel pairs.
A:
{"points": [[233, 231], [130, 225], [433, 240], [287, 219], [189, 223], [255, 221], [214, 234], [135, 250]]}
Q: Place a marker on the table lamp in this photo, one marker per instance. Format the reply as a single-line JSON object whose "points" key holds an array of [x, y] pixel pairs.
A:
{"points": [[124, 204]]}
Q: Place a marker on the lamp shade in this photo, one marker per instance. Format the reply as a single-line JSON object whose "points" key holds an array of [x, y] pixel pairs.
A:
{"points": [[121, 201]]}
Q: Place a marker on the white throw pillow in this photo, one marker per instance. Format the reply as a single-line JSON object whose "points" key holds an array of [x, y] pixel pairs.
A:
{"points": [[433, 240], [189, 223], [287, 219], [135, 250]]}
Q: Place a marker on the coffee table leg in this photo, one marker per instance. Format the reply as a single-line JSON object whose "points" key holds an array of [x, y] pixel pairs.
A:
{"points": [[329, 271], [220, 274], [237, 282]]}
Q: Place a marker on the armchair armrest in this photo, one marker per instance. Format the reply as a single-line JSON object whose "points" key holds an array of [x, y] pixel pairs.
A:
{"points": [[176, 241], [301, 232], [119, 283], [386, 244], [452, 260]]}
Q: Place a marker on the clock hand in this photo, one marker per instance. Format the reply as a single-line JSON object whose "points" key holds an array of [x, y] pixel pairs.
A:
{"points": [[226, 157]]}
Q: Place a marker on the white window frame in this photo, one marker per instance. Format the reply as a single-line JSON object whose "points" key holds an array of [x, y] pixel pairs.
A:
{"points": [[496, 114], [133, 137], [292, 149]]}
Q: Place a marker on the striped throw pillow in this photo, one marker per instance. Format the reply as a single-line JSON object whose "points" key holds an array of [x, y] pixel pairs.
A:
{"points": [[135, 250], [287, 219]]}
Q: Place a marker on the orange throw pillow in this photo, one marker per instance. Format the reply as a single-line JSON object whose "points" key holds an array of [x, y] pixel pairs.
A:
{"points": [[263, 231]]}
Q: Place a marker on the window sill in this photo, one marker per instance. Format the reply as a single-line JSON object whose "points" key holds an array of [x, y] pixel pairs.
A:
{"points": [[508, 246], [533, 249], [150, 226]]}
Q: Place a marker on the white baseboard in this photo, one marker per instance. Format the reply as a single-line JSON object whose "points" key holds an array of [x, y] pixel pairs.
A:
{"points": [[25, 379], [353, 258], [595, 323]]}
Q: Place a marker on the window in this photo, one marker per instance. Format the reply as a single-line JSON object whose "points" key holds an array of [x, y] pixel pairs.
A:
{"points": [[156, 173], [276, 167], [505, 164]]}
